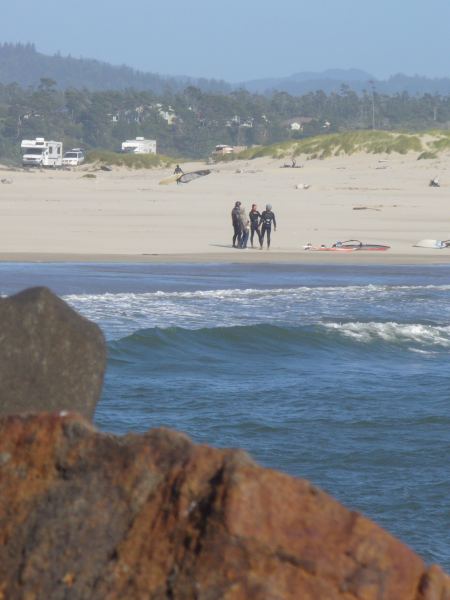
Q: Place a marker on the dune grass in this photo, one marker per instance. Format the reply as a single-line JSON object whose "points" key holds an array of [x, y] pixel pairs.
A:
{"points": [[427, 155], [347, 143], [132, 161]]}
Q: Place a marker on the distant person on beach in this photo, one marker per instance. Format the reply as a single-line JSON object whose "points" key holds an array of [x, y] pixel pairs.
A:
{"points": [[267, 218], [255, 219], [236, 222], [178, 170], [244, 225]]}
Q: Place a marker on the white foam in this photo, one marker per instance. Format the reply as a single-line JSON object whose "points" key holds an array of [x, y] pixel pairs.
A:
{"points": [[428, 335], [123, 313]]}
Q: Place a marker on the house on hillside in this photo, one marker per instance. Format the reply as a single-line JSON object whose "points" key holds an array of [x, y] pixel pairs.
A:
{"points": [[296, 124]]}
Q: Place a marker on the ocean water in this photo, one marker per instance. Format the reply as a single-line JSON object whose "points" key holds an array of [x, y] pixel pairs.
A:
{"points": [[338, 375]]}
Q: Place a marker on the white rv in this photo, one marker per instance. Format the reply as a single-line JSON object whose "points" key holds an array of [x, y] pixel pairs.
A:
{"points": [[41, 153], [73, 157], [139, 146]]}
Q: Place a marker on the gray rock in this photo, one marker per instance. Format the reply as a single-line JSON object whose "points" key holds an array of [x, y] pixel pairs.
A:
{"points": [[51, 358]]}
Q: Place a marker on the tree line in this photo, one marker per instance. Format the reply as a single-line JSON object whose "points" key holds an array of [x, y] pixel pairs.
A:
{"points": [[190, 122]]}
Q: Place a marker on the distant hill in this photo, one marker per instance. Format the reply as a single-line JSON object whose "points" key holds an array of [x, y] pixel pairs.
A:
{"points": [[302, 83], [333, 79], [23, 64]]}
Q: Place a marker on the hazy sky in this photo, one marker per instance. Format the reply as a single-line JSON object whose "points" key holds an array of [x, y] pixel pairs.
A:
{"points": [[239, 40]]}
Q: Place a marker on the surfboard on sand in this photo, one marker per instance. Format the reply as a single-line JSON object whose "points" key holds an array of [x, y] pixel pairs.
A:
{"points": [[169, 180], [436, 244], [327, 249]]}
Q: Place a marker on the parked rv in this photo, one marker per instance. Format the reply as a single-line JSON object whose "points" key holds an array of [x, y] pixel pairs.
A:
{"points": [[73, 158], [41, 153], [139, 146]]}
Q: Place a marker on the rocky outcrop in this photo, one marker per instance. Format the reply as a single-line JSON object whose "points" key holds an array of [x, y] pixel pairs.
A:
{"points": [[50, 357], [85, 515]]}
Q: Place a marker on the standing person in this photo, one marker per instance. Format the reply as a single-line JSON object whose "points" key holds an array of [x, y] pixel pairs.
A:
{"points": [[266, 219], [236, 221], [244, 224], [255, 219]]}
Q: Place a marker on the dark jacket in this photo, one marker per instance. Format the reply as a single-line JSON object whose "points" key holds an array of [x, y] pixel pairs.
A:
{"points": [[266, 219], [255, 217]]}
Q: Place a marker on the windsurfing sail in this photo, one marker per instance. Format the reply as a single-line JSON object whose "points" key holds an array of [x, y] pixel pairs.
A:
{"points": [[436, 244], [347, 246], [357, 245], [187, 177]]}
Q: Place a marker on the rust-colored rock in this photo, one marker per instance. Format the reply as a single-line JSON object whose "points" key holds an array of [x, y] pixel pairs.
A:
{"points": [[50, 357], [85, 515]]}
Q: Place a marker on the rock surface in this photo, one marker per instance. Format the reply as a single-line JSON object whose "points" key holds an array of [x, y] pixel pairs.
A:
{"points": [[50, 357], [90, 516]]}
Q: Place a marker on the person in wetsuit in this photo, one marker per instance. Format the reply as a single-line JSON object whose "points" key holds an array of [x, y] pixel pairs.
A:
{"points": [[236, 222], [178, 170], [255, 218], [244, 225], [267, 218]]}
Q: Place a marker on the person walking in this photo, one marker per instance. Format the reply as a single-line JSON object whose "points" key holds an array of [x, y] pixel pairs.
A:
{"points": [[236, 222], [267, 218], [255, 219], [244, 225]]}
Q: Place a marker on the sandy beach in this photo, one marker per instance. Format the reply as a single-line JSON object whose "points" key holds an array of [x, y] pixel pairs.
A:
{"points": [[127, 216]]}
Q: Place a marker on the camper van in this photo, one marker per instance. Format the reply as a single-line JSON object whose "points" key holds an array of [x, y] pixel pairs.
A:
{"points": [[139, 146], [41, 153], [73, 158]]}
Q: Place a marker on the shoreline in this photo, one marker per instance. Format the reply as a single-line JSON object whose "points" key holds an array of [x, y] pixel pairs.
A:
{"points": [[128, 217], [235, 257]]}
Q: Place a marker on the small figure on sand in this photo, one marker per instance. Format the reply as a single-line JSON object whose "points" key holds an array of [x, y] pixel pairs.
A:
{"points": [[255, 220], [178, 170], [267, 218], [236, 222], [435, 182]]}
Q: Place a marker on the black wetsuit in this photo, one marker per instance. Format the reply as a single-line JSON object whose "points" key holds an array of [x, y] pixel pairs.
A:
{"points": [[255, 217], [235, 219], [266, 220]]}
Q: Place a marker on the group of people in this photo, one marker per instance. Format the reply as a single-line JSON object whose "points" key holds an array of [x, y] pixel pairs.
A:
{"points": [[245, 226]]}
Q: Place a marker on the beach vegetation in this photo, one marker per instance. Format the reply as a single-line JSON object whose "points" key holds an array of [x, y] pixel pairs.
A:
{"points": [[132, 161], [427, 155], [189, 123], [341, 144]]}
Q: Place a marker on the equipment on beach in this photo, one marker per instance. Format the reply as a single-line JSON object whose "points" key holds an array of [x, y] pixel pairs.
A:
{"points": [[187, 177], [169, 180], [436, 244], [347, 246]]}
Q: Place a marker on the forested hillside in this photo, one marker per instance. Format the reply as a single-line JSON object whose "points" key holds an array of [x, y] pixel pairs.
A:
{"points": [[24, 65], [191, 122]]}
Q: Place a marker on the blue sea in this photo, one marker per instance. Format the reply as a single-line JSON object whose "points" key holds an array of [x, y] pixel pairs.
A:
{"points": [[335, 374]]}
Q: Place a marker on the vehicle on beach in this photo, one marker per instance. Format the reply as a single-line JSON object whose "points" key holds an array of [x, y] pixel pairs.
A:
{"points": [[139, 146], [41, 153], [73, 158]]}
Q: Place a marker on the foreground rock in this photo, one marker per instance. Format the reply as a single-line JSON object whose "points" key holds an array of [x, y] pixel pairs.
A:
{"points": [[85, 515], [50, 357]]}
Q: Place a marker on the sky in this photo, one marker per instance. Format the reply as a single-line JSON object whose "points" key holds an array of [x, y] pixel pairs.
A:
{"points": [[240, 40]]}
